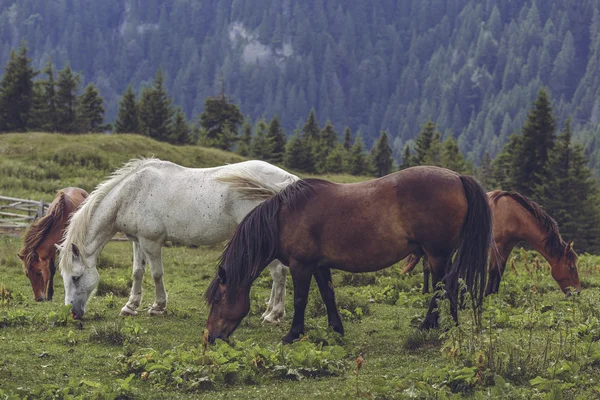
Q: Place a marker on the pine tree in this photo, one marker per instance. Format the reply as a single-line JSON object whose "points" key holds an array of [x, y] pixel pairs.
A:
{"points": [[502, 166], [67, 86], [323, 146], [128, 120], [336, 160], [423, 142], [276, 137], [43, 113], [531, 156], [180, 132], [243, 147], [156, 111], [452, 158], [90, 110], [347, 139], [358, 163], [220, 122], [406, 158], [485, 173], [261, 145], [433, 156], [382, 156], [311, 128], [16, 92], [298, 154]]}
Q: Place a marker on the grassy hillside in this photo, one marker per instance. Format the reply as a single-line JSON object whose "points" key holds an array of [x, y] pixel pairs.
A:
{"points": [[36, 165]]}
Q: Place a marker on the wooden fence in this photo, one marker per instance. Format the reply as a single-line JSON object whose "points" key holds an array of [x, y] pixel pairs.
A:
{"points": [[19, 213]]}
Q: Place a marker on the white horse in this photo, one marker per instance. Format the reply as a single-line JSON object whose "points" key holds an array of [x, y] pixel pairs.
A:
{"points": [[152, 201]]}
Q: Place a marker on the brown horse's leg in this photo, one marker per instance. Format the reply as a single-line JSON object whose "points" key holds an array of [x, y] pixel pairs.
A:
{"points": [[50, 292], [438, 269], [301, 277], [426, 273], [494, 278], [323, 278]]}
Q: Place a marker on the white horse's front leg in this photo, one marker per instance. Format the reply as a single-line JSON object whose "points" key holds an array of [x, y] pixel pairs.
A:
{"points": [[153, 253], [276, 306], [135, 297]]}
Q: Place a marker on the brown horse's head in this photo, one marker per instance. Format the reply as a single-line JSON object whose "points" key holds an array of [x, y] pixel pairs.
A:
{"points": [[564, 271], [39, 269], [228, 309]]}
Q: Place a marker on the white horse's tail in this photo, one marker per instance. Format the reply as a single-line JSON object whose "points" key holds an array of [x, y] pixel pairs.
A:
{"points": [[251, 186]]}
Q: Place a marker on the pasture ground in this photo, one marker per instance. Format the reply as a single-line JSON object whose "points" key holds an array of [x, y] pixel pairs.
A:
{"points": [[534, 342]]}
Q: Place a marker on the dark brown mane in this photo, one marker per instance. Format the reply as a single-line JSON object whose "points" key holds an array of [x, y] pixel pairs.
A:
{"points": [[255, 242], [39, 229], [554, 243]]}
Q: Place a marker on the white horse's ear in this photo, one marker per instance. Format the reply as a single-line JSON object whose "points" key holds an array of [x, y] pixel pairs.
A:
{"points": [[21, 256], [222, 275], [75, 250]]}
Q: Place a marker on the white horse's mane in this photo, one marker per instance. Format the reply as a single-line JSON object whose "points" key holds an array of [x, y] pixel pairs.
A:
{"points": [[79, 221], [251, 186]]}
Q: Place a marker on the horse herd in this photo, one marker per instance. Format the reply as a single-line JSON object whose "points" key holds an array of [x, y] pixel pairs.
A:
{"points": [[273, 218]]}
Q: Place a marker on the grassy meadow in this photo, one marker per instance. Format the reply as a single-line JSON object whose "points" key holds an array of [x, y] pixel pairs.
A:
{"points": [[533, 342]]}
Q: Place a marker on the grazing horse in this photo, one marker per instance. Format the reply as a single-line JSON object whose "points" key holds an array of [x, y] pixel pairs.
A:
{"points": [[519, 219], [38, 250], [152, 201], [314, 225]]}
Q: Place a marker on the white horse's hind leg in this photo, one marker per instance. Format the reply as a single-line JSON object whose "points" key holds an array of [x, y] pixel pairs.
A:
{"points": [[139, 267], [276, 306], [153, 253]]}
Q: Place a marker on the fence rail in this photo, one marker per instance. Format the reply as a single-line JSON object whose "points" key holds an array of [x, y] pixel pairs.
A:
{"points": [[19, 213]]}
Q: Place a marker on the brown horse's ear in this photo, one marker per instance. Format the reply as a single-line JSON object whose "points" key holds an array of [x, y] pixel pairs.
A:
{"points": [[570, 246], [21, 256], [222, 275], [75, 249]]}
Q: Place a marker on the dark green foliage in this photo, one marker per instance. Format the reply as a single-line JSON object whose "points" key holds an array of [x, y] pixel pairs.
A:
{"points": [[155, 110], [180, 132], [423, 142], [220, 122], [452, 158], [336, 160], [530, 157], [358, 160], [407, 158], [347, 139], [243, 147], [298, 154], [276, 138], [323, 146], [261, 145], [67, 86], [90, 110], [43, 112], [382, 156], [128, 118], [16, 92]]}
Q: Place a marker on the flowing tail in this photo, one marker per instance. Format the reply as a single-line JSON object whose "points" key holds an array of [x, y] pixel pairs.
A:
{"points": [[252, 186], [471, 261]]}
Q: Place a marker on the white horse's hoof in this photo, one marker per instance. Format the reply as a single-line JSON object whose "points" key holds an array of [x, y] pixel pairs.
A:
{"points": [[272, 318], [127, 311], [156, 311]]}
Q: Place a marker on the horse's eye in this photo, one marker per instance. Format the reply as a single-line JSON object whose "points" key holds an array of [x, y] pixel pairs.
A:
{"points": [[39, 273], [76, 278]]}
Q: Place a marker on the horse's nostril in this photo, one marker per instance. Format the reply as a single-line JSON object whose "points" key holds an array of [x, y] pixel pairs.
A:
{"points": [[39, 299]]}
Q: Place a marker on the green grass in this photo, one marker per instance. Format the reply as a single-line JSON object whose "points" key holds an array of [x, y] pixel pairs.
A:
{"points": [[534, 343]]}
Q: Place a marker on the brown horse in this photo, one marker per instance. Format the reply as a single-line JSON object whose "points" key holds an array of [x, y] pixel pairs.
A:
{"points": [[519, 219], [315, 225], [38, 250]]}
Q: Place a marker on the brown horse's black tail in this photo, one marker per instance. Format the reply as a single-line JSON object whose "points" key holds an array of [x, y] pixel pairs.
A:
{"points": [[472, 253]]}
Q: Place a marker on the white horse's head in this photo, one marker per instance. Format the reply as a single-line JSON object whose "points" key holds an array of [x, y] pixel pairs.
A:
{"points": [[80, 279]]}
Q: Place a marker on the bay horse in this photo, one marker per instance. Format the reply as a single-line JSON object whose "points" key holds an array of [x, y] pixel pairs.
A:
{"points": [[152, 201], [519, 219], [314, 225], [38, 252]]}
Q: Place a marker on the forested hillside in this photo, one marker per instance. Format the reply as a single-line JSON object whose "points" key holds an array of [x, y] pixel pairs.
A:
{"points": [[472, 66]]}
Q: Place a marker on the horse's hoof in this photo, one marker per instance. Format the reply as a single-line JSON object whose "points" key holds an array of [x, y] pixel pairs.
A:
{"points": [[287, 339], [272, 318], [426, 325], [156, 311], [126, 311]]}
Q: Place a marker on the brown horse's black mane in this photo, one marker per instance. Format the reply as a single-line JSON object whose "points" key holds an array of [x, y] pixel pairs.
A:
{"points": [[39, 229], [554, 243], [255, 242]]}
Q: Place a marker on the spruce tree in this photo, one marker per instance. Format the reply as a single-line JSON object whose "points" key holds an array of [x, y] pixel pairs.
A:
{"points": [[298, 154], [67, 86], [452, 158], [243, 147], [16, 92], [502, 166], [406, 158], [180, 131], [90, 110], [156, 111], [220, 122], [433, 156], [423, 142], [347, 139], [485, 173], [336, 160], [530, 158], [358, 163], [382, 156], [311, 130], [261, 145], [324, 145], [276, 137], [128, 120]]}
